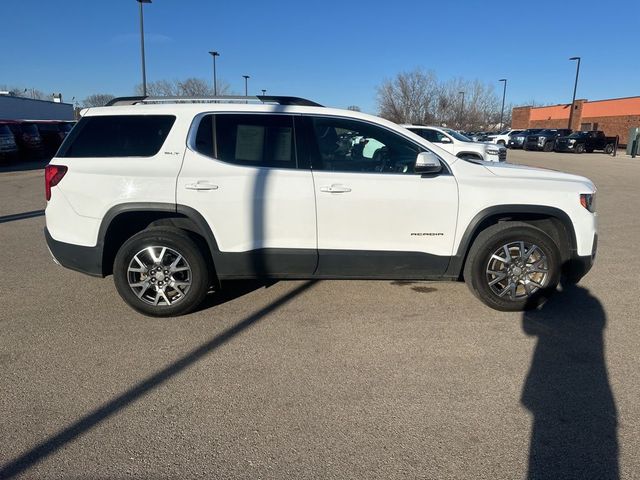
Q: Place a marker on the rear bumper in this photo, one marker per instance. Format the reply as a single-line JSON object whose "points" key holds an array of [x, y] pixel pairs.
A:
{"points": [[75, 257]]}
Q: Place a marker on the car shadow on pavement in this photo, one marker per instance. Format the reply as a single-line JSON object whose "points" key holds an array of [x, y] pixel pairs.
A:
{"points": [[81, 426], [567, 390], [21, 216]]}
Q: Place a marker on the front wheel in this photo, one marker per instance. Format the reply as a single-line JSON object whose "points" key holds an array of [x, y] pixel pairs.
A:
{"points": [[580, 148], [513, 266], [161, 272]]}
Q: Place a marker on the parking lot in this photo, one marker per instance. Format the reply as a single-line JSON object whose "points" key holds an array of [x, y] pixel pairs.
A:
{"points": [[328, 379]]}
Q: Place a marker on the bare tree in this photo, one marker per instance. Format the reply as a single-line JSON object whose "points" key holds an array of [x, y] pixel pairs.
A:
{"points": [[409, 98], [21, 91], [354, 108], [419, 97], [187, 87], [97, 100]]}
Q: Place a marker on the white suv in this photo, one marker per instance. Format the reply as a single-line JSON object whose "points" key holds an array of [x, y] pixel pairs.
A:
{"points": [[173, 198], [502, 138], [459, 145]]}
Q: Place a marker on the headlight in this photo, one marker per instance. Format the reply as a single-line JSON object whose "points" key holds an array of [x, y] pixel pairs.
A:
{"points": [[588, 201], [572, 141], [493, 151]]}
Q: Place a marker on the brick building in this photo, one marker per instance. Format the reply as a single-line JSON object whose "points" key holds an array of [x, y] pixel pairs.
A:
{"points": [[615, 116]]}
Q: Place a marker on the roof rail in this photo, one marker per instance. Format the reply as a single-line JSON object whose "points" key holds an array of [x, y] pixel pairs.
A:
{"points": [[280, 100]]}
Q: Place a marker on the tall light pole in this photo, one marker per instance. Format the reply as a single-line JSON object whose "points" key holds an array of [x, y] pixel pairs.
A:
{"points": [[575, 87], [144, 68], [264, 92], [215, 79], [504, 93], [246, 83], [461, 108]]}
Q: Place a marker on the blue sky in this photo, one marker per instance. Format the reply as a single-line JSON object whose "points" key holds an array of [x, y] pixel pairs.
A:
{"points": [[334, 52]]}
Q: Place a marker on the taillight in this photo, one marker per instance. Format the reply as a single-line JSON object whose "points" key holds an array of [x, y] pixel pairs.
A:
{"points": [[52, 176]]}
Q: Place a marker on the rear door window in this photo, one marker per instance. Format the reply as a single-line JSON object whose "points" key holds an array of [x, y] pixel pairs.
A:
{"points": [[248, 139], [117, 136]]}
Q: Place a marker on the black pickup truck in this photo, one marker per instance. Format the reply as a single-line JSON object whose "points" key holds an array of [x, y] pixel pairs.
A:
{"points": [[544, 140], [580, 142]]}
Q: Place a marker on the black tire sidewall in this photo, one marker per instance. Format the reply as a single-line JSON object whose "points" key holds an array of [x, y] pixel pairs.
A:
{"points": [[580, 148], [486, 248], [179, 241]]}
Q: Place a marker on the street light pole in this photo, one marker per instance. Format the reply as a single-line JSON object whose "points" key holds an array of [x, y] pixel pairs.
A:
{"points": [[246, 88], [144, 69], [461, 109], [575, 87], [504, 93], [215, 79]]}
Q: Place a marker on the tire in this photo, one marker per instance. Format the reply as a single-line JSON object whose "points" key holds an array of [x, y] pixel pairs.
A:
{"points": [[548, 147], [501, 142], [608, 149], [545, 259], [524, 147], [580, 148], [184, 277]]}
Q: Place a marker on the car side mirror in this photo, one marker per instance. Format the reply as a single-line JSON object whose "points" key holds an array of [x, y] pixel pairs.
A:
{"points": [[445, 140], [427, 162]]}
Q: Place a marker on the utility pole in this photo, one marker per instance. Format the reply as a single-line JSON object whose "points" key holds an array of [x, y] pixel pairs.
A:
{"points": [[144, 68], [215, 79], [575, 87], [504, 93]]}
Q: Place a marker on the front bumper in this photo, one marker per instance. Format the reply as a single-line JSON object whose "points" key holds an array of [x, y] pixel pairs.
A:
{"points": [[75, 257], [564, 148], [578, 266]]}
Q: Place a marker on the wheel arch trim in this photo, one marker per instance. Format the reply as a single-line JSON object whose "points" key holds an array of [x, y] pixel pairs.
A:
{"points": [[475, 227]]}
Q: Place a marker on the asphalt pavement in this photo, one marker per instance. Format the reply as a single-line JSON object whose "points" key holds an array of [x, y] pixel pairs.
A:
{"points": [[328, 379]]}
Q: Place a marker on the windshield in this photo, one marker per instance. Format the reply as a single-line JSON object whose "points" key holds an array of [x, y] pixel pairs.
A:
{"points": [[4, 130], [456, 135], [65, 127]]}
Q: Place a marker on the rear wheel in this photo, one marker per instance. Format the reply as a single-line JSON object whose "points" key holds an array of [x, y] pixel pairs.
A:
{"points": [[161, 272], [513, 266], [608, 149]]}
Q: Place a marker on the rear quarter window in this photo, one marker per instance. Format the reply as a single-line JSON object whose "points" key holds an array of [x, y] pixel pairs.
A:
{"points": [[117, 136]]}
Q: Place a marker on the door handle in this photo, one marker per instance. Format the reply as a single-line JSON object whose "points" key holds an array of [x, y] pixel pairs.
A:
{"points": [[201, 186], [335, 188]]}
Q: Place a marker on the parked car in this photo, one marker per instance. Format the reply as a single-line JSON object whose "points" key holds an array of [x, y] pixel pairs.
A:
{"points": [[545, 139], [503, 137], [459, 145], [28, 139], [172, 199], [517, 140], [8, 146], [580, 142], [52, 132]]}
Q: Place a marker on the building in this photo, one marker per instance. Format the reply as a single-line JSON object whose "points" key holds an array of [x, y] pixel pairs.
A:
{"points": [[615, 116], [19, 108]]}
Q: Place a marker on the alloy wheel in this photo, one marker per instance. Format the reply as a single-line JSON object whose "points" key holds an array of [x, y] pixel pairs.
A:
{"points": [[517, 270], [159, 275]]}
